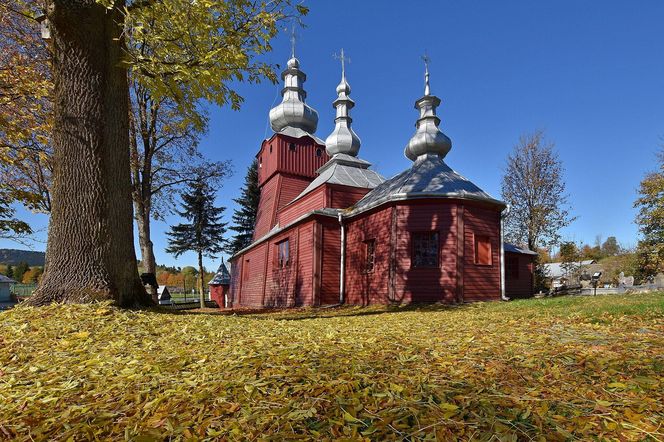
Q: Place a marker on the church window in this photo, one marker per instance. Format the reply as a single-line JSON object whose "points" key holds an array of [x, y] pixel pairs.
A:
{"points": [[424, 251], [512, 267], [283, 253], [245, 270], [270, 149], [482, 250], [260, 162], [319, 153], [369, 255], [291, 146]]}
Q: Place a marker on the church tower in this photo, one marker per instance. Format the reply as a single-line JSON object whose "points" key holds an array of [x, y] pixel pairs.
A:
{"points": [[288, 161]]}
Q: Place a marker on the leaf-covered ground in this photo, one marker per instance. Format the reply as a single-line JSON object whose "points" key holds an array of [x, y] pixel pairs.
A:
{"points": [[557, 369]]}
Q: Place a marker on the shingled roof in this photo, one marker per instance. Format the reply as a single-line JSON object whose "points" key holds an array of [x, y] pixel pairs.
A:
{"points": [[429, 177], [222, 277], [345, 170]]}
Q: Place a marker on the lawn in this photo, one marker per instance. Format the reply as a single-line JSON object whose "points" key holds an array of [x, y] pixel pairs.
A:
{"points": [[573, 368]]}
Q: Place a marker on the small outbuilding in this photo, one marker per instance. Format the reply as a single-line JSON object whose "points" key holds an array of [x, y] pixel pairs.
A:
{"points": [[219, 285], [519, 271], [5, 284], [163, 295]]}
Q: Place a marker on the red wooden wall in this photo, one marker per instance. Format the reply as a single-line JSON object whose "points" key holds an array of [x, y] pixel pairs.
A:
{"points": [[283, 174], [368, 287], [259, 282], [481, 282], [457, 278], [275, 156], [521, 286]]}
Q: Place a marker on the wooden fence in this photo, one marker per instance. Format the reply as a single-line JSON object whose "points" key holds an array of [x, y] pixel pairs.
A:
{"points": [[22, 290]]}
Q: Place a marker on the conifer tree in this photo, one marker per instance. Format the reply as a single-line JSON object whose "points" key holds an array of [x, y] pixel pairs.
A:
{"points": [[244, 217], [9, 273], [204, 233]]}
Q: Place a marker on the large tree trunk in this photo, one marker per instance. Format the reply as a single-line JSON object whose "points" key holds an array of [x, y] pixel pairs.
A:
{"points": [[90, 251], [201, 275]]}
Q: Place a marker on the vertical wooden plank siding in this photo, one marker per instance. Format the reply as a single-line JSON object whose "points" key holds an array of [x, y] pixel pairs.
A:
{"points": [[251, 286], [311, 201], [521, 287], [342, 197], [305, 263], [392, 293], [460, 251], [363, 287], [481, 282], [427, 284], [329, 293], [317, 257]]}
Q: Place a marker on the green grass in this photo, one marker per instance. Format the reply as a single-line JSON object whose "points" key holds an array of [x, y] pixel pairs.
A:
{"points": [[572, 368]]}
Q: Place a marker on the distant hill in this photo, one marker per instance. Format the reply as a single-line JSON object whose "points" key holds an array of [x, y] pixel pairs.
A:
{"points": [[14, 257]]}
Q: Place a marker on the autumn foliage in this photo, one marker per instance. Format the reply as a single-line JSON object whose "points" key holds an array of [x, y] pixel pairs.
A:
{"points": [[583, 368]]}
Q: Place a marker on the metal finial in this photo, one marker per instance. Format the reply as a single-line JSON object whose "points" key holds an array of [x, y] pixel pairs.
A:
{"points": [[426, 59], [293, 39], [343, 59]]}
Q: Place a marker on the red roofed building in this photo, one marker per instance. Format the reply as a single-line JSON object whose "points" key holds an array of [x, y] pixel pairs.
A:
{"points": [[330, 230]]}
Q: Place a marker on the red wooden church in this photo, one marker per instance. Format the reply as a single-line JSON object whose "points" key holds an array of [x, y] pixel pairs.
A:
{"points": [[330, 230]]}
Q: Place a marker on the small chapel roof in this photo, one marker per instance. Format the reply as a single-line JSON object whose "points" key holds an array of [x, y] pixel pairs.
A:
{"points": [[222, 276]]}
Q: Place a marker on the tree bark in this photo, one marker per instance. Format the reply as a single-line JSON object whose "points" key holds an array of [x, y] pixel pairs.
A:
{"points": [[147, 247], [201, 278], [90, 250]]}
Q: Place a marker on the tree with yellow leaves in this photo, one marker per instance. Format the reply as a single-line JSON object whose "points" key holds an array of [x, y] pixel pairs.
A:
{"points": [[650, 218], [192, 50]]}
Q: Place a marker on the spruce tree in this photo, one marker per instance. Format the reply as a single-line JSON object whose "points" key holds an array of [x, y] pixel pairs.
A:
{"points": [[244, 217], [204, 234], [10, 272]]}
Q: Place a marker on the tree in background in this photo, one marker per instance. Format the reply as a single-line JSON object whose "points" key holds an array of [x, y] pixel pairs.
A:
{"points": [[9, 273], [32, 276], [20, 270], [534, 188], [570, 257], [244, 217], [204, 234], [90, 248], [610, 247], [650, 218], [164, 157]]}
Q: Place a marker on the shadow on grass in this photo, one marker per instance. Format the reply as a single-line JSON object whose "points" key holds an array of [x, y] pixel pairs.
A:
{"points": [[296, 314]]}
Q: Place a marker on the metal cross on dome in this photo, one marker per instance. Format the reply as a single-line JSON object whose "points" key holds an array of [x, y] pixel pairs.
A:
{"points": [[343, 59], [426, 60], [293, 39]]}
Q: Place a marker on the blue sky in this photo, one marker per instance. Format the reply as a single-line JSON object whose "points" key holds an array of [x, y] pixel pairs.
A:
{"points": [[590, 73]]}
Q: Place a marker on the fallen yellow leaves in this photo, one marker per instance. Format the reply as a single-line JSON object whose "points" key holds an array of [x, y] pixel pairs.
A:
{"points": [[555, 369]]}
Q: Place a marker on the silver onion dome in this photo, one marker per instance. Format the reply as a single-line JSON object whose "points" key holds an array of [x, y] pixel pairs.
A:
{"points": [[293, 111], [428, 138], [343, 139]]}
